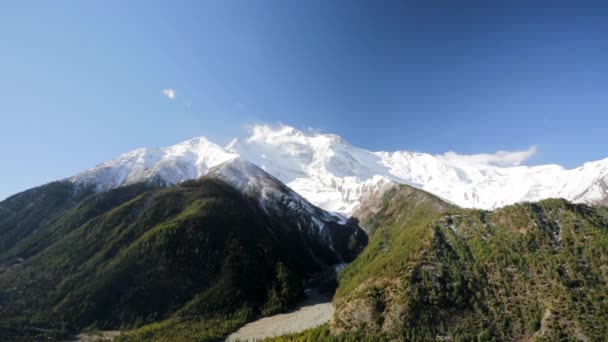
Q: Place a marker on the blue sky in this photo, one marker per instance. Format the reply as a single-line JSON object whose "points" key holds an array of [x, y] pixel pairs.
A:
{"points": [[82, 81]]}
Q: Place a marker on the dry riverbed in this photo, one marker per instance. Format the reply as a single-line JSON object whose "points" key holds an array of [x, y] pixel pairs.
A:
{"points": [[105, 335], [316, 310]]}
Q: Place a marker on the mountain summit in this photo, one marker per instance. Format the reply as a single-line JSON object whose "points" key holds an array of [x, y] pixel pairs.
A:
{"points": [[335, 175]]}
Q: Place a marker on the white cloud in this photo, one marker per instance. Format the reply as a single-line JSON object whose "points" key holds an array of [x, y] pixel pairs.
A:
{"points": [[499, 158], [169, 93]]}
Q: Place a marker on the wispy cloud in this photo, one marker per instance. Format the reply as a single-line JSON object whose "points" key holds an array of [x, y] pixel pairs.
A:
{"points": [[170, 93], [499, 158]]}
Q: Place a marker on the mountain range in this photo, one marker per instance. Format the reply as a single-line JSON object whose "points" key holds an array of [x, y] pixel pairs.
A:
{"points": [[334, 175], [192, 241]]}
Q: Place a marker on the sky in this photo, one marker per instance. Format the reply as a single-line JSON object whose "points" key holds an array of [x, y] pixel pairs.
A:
{"points": [[84, 81]]}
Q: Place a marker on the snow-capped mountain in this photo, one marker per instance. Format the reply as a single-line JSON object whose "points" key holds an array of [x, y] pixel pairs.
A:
{"points": [[334, 175], [170, 165]]}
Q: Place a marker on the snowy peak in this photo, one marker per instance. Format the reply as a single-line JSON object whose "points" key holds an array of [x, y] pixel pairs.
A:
{"points": [[322, 167], [335, 175], [169, 165]]}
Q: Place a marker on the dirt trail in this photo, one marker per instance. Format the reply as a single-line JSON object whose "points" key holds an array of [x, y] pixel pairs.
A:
{"points": [[314, 311]]}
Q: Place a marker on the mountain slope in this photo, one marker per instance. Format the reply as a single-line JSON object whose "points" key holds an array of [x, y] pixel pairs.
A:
{"points": [[286, 205], [531, 271], [195, 248], [397, 220], [334, 175], [32, 211]]}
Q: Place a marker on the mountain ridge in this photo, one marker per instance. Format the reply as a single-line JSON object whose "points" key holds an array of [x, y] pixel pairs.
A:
{"points": [[334, 175]]}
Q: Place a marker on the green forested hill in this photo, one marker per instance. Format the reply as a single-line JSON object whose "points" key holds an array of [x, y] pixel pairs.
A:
{"points": [[35, 219], [33, 211], [532, 271], [202, 256]]}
